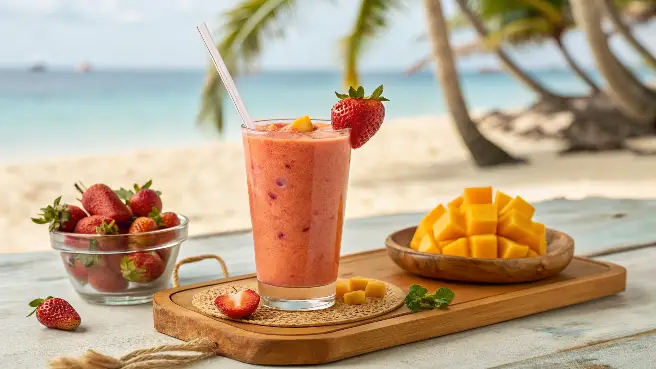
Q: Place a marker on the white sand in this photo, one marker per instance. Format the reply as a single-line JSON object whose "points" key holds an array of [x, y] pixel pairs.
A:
{"points": [[410, 165]]}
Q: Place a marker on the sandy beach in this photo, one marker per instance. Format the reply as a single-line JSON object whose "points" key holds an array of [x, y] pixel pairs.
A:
{"points": [[410, 165]]}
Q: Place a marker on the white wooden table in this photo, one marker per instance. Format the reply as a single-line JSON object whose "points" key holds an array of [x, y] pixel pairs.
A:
{"points": [[613, 332]]}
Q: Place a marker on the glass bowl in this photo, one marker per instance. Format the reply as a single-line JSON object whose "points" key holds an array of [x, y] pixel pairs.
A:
{"points": [[123, 269]]}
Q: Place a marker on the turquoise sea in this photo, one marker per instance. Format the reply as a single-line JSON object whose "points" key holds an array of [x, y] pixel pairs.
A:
{"points": [[61, 113]]}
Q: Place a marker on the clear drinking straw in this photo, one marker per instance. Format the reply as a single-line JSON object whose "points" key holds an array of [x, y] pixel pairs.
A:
{"points": [[225, 76]]}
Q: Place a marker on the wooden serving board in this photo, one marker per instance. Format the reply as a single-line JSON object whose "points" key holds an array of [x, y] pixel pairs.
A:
{"points": [[475, 305]]}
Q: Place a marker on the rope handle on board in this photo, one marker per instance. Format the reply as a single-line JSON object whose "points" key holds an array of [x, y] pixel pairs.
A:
{"points": [[154, 357], [193, 259]]}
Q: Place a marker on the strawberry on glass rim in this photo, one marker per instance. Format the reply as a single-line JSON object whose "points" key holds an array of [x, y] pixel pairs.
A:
{"points": [[362, 114]]}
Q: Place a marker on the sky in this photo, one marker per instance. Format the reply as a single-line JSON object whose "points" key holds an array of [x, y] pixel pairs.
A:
{"points": [[161, 34]]}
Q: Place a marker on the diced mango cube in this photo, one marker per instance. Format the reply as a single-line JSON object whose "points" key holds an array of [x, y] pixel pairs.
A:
{"points": [[358, 283], [519, 204], [456, 203], [509, 249], [532, 254], [483, 246], [429, 245], [342, 287], [478, 195], [451, 225], [515, 226], [302, 124], [355, 298], [442, 244], [458, 247], [532, 241], [501, 200], [481, 219], [541, 231], [376, 289], [426, 226]]}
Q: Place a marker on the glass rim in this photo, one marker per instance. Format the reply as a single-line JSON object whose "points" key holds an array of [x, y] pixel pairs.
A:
{"points": [[286, 120], [184, 221]]}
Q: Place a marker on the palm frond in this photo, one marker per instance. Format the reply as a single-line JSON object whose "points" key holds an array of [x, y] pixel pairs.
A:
{"points": [[519, 31], [373, 17], [246, 26]]}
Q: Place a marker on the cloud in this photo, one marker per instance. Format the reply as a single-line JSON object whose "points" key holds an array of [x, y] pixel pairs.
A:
{"points": [[112, 11]]}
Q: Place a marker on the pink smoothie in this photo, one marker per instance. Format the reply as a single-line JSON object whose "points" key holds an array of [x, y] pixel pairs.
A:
{"points": [[297, 189]]}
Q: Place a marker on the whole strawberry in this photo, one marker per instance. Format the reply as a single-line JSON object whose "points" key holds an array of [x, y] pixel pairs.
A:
{"points": [[142, 225], [165, 220], [142, 267], [239, 304], [60, 217], [106, 279], [78, 265], [101, 225], [363, 115], [99, 199], [143, 200], [55, 313]]}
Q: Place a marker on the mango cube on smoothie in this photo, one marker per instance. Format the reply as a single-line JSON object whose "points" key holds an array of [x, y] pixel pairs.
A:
{"points": [[458, 247], [509, 249], [520, 205], [426, 226], [450, 226], [501, 200], [302, 124], [481, 219], [355, 298], [376, 289], [358, 283], [483, 246], [478, 195], [342, 287], [428, 245], [515, 226]]}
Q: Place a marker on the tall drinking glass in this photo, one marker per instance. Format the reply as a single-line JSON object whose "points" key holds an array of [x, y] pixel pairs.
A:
{"points": [[297, 189]]}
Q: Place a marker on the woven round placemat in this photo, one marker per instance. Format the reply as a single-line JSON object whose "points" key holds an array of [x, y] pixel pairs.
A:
{"points": [[339, 313]]}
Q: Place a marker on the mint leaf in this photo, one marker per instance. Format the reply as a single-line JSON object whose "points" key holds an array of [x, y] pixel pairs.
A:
{"points": [[417, 298], [444, 294]]}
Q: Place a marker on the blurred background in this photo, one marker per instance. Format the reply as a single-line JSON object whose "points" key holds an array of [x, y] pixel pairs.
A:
{"points": [[547, 98]]}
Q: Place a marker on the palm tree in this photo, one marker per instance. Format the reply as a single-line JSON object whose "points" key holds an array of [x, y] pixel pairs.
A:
{"points": [[522, 21], [622, 28], [632, 98], [248, 23], [484, 152]]}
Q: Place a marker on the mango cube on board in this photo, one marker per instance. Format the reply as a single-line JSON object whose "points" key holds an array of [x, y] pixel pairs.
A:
{"points": [[358, 283], [342, 287], [355, 298], [426, 226], [520, 205], [483, 246], [509, 249], [450, 226], [515, 226], [478, 195], [501, 200], [481, 219], [532, 254], [458, 247], [428, 245], [376, 289], [302, 124]]}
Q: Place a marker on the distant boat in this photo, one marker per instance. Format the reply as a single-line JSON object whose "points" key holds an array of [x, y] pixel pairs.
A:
{"points": [[38, 67], [84, 67]]}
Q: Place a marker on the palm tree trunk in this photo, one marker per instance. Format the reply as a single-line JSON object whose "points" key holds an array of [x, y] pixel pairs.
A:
{"points": [[575, 66], [484, 152], [630, 96], [507, 62], [626, 33]]}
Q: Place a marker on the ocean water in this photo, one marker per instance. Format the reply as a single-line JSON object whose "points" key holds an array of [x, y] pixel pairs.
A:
{"points": [[60, 113]]}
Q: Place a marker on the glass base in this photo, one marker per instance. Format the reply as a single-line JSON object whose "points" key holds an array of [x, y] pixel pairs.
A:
{"points": [[116, 300], [297, 298]]}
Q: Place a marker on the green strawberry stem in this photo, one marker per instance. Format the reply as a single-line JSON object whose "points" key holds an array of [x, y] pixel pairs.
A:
{"points": [[359, 94], [55, 215], [80, 187], [36, 303], [107, 229], [156, 216]]}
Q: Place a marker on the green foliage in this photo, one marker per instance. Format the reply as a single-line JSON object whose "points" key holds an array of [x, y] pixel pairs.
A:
{"points": [[55, 215], [247, 25], [359, 94], [418, 298]]}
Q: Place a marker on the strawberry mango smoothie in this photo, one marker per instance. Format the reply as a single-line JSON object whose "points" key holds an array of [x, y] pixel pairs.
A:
{"points": [[297, 189]]}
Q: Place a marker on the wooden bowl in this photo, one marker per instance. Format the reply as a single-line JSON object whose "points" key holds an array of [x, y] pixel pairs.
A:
{"points": [[560, 250]]}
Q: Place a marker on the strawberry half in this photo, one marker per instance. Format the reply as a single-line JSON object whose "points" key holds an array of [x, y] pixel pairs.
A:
{"points": [[239, 304], [363, 115]]}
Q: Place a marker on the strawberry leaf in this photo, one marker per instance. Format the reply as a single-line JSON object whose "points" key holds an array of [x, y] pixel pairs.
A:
{"points": [[341, 96], [124, 195], [377, 92], [352, 92], [360, 92]]}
